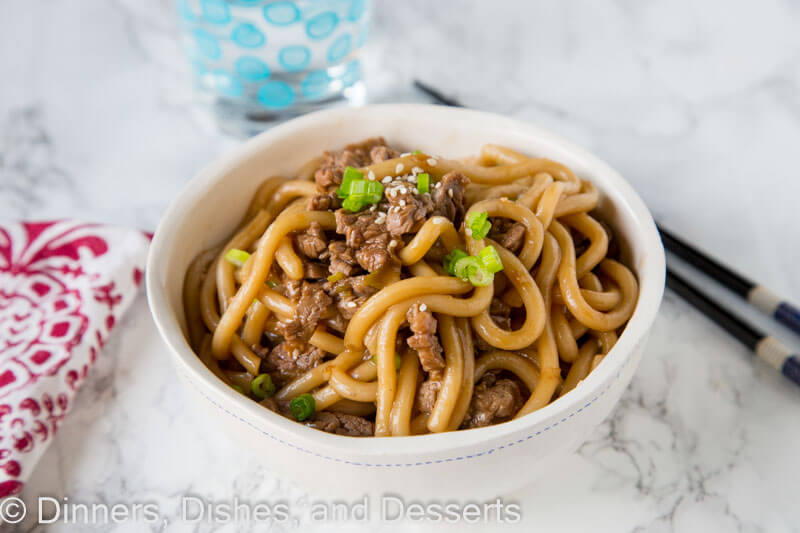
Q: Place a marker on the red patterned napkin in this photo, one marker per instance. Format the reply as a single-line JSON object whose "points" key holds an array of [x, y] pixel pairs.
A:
{"points": [[63, 286]]}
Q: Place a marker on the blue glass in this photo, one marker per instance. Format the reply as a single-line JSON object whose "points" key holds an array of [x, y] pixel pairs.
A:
{"points": [[257, 62]]}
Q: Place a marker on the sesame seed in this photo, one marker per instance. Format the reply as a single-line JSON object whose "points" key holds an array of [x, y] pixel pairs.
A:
{"points": [[416, 170], [423, 307], [438, 184], [371, 176], [402, 203], [350, 304], [391, 193], [392, 243], [386, 180], [373, 208], [450, 193], [503, 199], [399, 168], [405, 154], [412, 179], [468, 232], [402, 189], [432, 162]]}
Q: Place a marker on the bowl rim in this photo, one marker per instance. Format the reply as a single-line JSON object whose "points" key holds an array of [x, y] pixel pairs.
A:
{"points": [[651, 288]]}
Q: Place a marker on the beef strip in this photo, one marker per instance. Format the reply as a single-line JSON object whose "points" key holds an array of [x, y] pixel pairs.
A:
{"points": [[290, 359], [359, 228], [309, 307], [494, 400], [314, 270], [406, 210], [500, 313], [324, 202], [366, 237], [290, 288], [328, 176], [382, 153], [376, 253], [343, 259], [312, 242], [426, 395], [424, 340], [342, 424], [349, 294], [508, 233], [448, 197]]}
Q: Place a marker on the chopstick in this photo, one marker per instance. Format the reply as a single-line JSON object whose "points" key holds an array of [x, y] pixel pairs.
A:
{"points": [[436, 95], [766, 347], [757, 295]]}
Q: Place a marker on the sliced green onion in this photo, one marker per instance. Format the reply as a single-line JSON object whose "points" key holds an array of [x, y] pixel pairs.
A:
{"points": [[350, 175], [478, 224], [417, 152], [262, 386], [374, 192], [238, 389], [353, 204], [490, 259], [303, 406], [237, 257], [271, 284], [466, 266], [423, 183], [480, 277], [336, 276], [450, 260], [397, 360]]}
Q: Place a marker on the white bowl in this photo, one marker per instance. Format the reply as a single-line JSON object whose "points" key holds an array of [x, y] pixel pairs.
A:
{"points": [[471, 464]]}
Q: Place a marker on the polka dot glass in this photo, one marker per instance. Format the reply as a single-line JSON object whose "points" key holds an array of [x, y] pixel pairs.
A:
{"points": [[259, 61]]}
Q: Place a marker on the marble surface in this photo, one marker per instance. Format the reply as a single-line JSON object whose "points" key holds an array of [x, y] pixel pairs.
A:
{"points": [[696, 103]]}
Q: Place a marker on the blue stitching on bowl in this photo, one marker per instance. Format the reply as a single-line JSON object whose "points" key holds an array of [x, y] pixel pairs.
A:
{"points": [[436, 461]]}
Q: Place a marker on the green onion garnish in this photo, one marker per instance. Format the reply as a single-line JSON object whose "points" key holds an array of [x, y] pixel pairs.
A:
{"points": [[478, 223], [271, 284], [480, 277], [374, 192], [336, 276], [238, 389], [417, 152], [423, 183], [450, 260], [470, 269], [490, 259], [262, 386], [358, 192], [397, 360], [465, 266], [350, 175], [303, 406], [353, 204], [237, 257]]}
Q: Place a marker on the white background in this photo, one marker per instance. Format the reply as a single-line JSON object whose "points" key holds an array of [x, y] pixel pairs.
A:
{"points": [[697, 104]]}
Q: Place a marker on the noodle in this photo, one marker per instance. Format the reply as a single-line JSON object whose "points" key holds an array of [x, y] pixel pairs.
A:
{"points": [[357, 309]]}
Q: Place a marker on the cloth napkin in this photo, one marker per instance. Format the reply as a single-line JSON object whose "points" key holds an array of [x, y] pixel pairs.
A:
{"points": [[63, 287]]}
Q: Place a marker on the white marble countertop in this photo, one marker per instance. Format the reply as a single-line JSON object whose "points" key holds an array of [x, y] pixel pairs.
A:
{"points": [[696, 103]]}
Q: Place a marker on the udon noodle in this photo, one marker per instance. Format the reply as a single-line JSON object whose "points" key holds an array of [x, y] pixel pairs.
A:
{"points": [[421, 295]]}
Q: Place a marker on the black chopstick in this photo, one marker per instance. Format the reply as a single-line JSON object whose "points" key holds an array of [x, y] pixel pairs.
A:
{"points": [[436, 95], [757, 295], [766, 347]]}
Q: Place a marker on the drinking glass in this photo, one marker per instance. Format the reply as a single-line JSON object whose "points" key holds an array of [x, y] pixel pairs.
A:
{"points": [[257, 62]]}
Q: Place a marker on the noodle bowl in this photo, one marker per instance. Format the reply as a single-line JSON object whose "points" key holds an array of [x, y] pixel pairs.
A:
{"points": [[452, 294]]}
